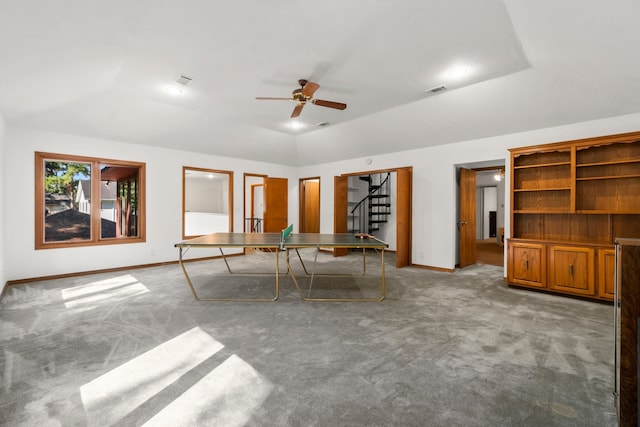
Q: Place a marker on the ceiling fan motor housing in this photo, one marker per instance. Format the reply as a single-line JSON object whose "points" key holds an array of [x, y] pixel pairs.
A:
{"points": [[298, 96]]}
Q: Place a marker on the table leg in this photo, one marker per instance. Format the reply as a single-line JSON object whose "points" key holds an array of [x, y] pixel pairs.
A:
{"points": [[313, 273], [198, 298], [186, 275]]}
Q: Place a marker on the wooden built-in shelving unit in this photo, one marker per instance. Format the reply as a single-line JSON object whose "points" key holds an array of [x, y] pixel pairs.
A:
{"points": [[569, 202]]}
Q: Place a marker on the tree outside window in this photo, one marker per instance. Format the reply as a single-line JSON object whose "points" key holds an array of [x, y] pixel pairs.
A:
{"points": [[87, 201]]}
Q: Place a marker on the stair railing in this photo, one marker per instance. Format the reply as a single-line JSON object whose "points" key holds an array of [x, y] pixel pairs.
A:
{"points": [[361, 206]]}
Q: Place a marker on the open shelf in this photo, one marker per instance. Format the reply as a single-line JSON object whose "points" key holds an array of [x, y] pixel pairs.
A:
{"points": [[591, 178], [538, 211], [614, 195], [525, 190], [557, 200], [570, 201], [541, 158], [542, 165], [611, 153], [542, 178], [608, 162], [608, 170]]}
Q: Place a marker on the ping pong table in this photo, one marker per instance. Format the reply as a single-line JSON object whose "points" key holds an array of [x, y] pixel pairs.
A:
{"points": [[285, 241]]}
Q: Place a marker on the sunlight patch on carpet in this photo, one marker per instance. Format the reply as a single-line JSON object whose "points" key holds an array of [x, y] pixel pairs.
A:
{"points": [[92, 295], [227, 396], [115, 394]]}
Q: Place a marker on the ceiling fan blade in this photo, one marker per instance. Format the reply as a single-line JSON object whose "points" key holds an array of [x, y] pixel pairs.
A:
{"points": [[309, 89], [274, 99], [330, 104], [297, 110]]}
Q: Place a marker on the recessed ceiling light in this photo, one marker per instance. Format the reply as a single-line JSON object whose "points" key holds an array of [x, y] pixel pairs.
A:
{"points": [[296, 125], [173, 90], [458, 72]]}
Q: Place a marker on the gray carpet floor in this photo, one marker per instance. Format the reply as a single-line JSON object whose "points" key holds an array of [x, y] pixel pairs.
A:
{"points": [[444, 349]]}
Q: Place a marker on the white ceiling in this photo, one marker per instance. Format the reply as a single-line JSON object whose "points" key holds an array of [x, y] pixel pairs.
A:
{"points": [[100, 69]]}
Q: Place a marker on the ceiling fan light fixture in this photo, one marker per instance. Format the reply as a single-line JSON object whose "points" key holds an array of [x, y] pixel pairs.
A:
{"points": [[304, 95]]}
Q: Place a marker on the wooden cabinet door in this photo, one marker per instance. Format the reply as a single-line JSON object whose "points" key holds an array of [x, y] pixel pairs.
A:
{"points": [[526, 264], [606, 273], [572, 269]]}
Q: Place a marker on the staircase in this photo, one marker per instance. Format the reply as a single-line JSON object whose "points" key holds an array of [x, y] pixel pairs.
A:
{"points": [[373, 209]]}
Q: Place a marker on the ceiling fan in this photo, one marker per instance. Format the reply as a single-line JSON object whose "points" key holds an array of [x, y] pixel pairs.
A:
{"points": [[304, 95]]}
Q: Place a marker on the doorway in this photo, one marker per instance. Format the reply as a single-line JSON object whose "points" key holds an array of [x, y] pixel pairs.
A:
{"points": [[401, 200], [253, 202], [309, 205], [266, 203], [481, 214]]}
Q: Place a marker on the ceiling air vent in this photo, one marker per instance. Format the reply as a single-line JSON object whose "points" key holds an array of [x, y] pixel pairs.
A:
{"points": [[436, 89], [322, 124], [184, 80]]}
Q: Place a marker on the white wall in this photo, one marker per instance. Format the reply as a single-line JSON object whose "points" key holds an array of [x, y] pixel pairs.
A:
{"points": [[434, 193], [258, 201], [201, 223], [163, 204], [487, 180], [2, 203], [434, 235], [204, 195], [388, 230], [490, 203]]}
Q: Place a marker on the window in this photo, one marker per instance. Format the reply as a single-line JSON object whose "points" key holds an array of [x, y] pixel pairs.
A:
{"points": [[207, 200], [82, 201]]}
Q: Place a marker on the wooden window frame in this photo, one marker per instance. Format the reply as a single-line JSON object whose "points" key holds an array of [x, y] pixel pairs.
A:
{"points": [[184, 194], [95, 239]]}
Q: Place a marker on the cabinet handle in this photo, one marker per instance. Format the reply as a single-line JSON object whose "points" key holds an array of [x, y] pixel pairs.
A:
{"points": [[526, 264], [571, 270]]}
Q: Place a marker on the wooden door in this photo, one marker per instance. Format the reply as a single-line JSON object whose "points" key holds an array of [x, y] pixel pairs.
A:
{"points": [[276, 204], [310, 205], [467, 219], [403, 219], [340, 209]]}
